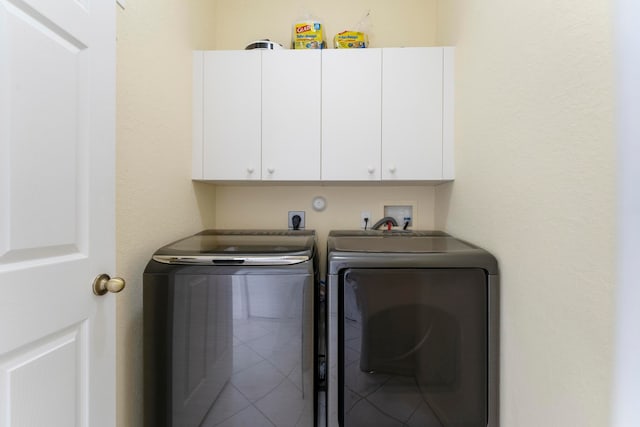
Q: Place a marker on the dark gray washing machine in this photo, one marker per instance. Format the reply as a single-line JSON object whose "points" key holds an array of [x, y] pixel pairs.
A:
{"points": [[413, 330], [229, 330]]}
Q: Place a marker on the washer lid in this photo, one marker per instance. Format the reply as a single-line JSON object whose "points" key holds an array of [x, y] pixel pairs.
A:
{"points": [[240, 247], [398, 244], [414, 241], [411, 249]]}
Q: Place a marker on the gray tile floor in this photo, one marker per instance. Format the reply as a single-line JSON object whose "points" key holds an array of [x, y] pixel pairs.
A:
{"points": [[267, 383]]}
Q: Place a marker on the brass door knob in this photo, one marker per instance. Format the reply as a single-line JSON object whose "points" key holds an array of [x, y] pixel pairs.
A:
{"points": [[103, 284]]}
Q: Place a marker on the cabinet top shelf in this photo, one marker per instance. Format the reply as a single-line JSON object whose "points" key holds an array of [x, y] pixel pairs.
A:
{"points": [[324, 50]]}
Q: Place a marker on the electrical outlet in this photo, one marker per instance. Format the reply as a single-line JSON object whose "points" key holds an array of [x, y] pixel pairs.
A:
{"points": [[365, 224], [291, 216]]}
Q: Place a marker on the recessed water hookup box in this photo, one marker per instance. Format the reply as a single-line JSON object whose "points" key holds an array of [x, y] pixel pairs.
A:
{"points": [[403, 214]]}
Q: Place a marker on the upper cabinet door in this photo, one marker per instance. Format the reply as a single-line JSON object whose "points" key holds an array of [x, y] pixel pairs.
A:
{"points": [[412, 90], [291, 115], [351, 109], [231, 115]]}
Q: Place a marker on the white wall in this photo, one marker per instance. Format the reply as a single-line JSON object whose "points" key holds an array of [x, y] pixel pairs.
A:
{"points": [[535, 185], [156, 200]]}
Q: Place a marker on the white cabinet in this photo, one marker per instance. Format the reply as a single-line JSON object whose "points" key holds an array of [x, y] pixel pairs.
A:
{"points": [[351, 114], [412, 114], [291, 115], [330, 115], [257, 115], [383, 112], [231, 118]]}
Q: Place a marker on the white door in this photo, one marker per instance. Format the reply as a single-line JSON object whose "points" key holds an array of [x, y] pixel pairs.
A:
{"points": [[57, 361]]}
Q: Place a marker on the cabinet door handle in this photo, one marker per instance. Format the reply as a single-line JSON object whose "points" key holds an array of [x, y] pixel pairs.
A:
{"points": [[371, 170], [271, 170], [392, 168], [250, 170]]}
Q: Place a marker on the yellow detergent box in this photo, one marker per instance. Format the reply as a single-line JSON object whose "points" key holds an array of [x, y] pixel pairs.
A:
{"points": [[308, 35], [350, 40]]}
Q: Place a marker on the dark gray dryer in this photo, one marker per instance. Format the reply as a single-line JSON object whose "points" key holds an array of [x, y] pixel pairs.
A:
{"points": [[413, 330], [229, 331]]}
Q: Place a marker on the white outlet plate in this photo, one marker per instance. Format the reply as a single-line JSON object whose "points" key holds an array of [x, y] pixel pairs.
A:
{"points": [[290, 219], [365, 224]]}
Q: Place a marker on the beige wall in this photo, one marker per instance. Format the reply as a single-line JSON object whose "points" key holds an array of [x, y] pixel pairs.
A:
{"points": [[535, 185], [267, 206], [392, 24], [156, 200], [400, 23], [534, 165]]}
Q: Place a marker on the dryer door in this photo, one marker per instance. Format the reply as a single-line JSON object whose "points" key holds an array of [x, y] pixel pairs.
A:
{"points": [[413, 347]]}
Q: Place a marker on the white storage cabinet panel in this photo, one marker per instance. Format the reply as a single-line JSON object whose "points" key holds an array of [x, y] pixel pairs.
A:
{"points": [[351, 114], [448, 75], [231, 115], [412, 90], [291, 115], [196, 111]]}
